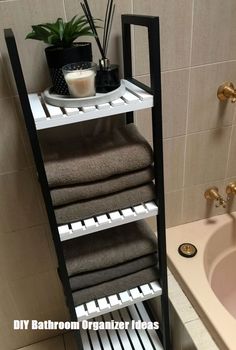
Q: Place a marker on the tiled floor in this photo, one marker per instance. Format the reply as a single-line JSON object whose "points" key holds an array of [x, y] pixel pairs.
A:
{"points": [[197, 334], [63, 342]]}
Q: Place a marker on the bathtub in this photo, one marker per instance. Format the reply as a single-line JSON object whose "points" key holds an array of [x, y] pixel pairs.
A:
{"points": [[209, 278]]}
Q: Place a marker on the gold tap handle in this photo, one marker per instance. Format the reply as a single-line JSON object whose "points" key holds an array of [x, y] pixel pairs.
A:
{"points": [[226, 91], [231, 188]]}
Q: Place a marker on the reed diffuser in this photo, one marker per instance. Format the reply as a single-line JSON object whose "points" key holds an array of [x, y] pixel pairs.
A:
{"points": [[107, 78]]}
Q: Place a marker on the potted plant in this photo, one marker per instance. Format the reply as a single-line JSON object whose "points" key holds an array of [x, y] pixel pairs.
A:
{"points": [[60, 36]]}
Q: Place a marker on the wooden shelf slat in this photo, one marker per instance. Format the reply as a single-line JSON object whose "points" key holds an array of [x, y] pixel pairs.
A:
{"points": [[108, 220], [117, 301], [133, 99]]}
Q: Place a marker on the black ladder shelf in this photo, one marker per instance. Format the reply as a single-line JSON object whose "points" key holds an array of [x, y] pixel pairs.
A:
{"points": [[39, 115]]}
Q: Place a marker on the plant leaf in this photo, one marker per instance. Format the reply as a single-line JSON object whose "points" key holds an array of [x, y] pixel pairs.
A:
{"points": [[62, 33]]}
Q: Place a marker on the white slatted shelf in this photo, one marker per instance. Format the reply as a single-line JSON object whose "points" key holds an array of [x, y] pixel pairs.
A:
{"points": [[127, 339], [117, 301], [47, 116], [105, 221]]}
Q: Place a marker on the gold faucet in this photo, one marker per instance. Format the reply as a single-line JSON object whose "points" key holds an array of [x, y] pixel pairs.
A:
{"points": [[231, 189], [212, 194], [226, 91]]}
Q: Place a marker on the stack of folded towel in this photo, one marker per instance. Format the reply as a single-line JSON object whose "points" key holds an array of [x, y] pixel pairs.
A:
{"points": [[96, 175], [118, 259]]}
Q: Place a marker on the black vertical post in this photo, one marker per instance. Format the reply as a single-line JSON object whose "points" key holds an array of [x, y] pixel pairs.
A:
{"points": [[152, 24], [32, 133], [127, 62]]}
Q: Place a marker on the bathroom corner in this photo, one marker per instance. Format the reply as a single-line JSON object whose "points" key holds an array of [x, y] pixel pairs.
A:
{"points": [[198, 54]]}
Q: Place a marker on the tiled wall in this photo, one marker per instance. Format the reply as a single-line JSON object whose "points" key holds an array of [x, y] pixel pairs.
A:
{"points": [[198, 44], [198, 53]]}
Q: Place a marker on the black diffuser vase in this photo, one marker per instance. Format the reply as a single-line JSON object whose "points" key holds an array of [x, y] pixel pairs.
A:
{"points": [[57, 57], [107, 78]]}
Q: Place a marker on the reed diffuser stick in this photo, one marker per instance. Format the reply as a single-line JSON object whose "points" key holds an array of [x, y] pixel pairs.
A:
{"points": [[109, 31], [108, 21], [87, 12]]}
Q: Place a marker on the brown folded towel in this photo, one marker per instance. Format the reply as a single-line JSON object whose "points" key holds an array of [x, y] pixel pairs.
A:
{"points": [[85, 209], [92, 278], [109, 248], [74, 193], [91, 159], [116, 286]]}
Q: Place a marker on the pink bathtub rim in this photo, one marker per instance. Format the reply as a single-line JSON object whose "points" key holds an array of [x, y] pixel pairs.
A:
{"points": [[214, 238]]}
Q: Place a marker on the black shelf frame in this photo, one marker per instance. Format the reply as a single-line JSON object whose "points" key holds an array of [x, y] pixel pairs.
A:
{"points": [[32, 133], [152, 24], [153, 29]]}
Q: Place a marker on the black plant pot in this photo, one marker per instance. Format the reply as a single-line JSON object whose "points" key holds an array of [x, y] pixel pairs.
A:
{"points": [[57, 57]]}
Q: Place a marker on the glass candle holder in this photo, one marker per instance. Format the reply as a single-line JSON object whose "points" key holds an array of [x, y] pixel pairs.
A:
{"points": [[80, 78]]}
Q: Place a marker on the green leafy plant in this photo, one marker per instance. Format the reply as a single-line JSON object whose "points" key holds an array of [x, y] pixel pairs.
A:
{"points": [[60, 33]]}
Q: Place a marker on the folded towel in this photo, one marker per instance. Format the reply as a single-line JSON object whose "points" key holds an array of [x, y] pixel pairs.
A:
{"points": [[74, 193], [108, 248], [115, 286], [91, 159], [92, 278], [85, 209]]}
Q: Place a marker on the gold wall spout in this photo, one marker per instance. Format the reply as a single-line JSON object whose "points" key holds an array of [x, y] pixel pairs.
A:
{"points": [[226, 91], [212, 194], [231, 188]]}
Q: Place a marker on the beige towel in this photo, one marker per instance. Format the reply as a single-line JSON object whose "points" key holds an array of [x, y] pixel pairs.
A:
{"points": [[92, 278], [108, 248], [116, 286], [91, 159], [70, 194], [105, 204]]}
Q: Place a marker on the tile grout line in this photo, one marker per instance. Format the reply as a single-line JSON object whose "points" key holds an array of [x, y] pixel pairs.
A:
{"points": [[228, 155], [169, 70], [187, 119], [64, 8]]}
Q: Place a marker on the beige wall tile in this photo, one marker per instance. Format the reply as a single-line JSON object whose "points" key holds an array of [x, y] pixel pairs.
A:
{"points": [[173, 208], [206, 156], [231, 171], [98, 9], [11, 339], [39, 297], [12, 152], [4, 84], [24, 259], [8, 308], [174, 163], [19, 203], [152, 223], [205, 110], [203, 341], [20, 15], [175, 28], [143, 120], [214, 31], [196, 207], [234, 121], [174, 105], [177, 297], [55, 343], [70, 341], [174, 102]]}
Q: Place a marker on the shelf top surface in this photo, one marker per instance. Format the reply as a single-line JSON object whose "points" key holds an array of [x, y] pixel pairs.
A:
{"points": [[49, 116], [117, 301], [107, 220], [130, 338]]}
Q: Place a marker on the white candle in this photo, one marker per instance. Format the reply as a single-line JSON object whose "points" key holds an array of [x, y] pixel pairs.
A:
{"points": [[81, 83]]}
